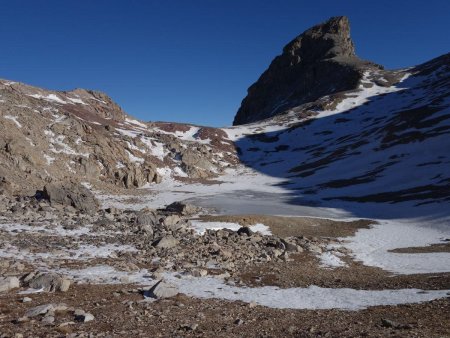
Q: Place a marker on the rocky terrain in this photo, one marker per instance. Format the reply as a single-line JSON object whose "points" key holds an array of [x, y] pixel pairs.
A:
{"points": [[57, 136], [326, 215]]}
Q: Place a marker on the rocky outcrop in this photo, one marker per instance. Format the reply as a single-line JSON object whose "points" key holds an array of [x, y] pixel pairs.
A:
{"points": [[49, 282], [319, 62], [69, 194]]}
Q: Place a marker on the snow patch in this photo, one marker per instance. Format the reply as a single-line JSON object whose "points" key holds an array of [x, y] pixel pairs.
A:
{"points": [[372, 246], [312, 297], [14, 119], [49, 97], [77, 101], [133, 158]]}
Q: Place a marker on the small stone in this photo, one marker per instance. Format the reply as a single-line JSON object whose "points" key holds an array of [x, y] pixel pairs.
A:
{"points": [[166, 242], [245, 231], [388, 323], [171, 220], [79, 312], [39, 310], [22, 319], [162, 289], [200, 273], [26, 299], [392, 324], [85, 317], [48, 319], [189, 327], [239, 321]]}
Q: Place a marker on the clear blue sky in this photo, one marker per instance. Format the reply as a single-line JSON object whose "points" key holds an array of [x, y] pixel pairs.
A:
{"points": [[192, 61]]}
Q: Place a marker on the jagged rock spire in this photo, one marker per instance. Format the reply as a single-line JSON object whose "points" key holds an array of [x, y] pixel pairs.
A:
{"points": [[318, 62]]}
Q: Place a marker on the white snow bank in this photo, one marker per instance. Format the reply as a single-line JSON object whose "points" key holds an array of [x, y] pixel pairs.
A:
{"points": [[312, 297], [371, 246], [357, 99], [330, 260], [104, 274], [127, 132], [135, 122], [133, 158]]}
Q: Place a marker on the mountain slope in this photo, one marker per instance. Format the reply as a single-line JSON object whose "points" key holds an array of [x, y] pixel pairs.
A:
{"points": [[377, 143], [83, 135]]}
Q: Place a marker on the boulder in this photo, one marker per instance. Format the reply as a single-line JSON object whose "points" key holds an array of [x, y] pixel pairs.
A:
{"points": [[39, 310], [166, 242], [81, 316], [171, 220], [245, 231], [8, 283], [162, 290], [71, 194], [49, 282], [146, 218], [183, 208]]}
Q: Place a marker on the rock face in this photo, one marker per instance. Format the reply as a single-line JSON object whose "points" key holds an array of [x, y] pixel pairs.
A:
{"points": [[69, 194], [319, 62]]}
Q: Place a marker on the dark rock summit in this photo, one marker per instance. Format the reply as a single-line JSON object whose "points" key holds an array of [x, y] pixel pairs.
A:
{"points": [[319, 62]]}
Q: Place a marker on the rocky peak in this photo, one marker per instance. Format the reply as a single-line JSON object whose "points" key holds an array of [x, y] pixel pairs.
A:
{"points": [[323, 41], [319, 62]]}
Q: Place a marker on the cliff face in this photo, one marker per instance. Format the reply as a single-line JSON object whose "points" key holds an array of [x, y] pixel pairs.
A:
{"points": [[319, 62]]}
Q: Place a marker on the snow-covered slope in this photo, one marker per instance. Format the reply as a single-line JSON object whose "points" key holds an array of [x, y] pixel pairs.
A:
{"points": [[380, 144]]}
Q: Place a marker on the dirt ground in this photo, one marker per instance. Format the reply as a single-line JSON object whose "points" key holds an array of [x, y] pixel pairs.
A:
{"points": [[304, 270], [297, 226], [121, 311]]}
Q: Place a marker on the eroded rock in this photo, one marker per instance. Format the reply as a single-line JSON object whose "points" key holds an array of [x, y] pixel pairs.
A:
{"points": [[71, 194]]}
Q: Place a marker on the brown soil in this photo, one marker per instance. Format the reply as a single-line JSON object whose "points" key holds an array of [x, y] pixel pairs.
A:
{"points": [[121, 313], [424, 249], [304, 270], [297, 226]]}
